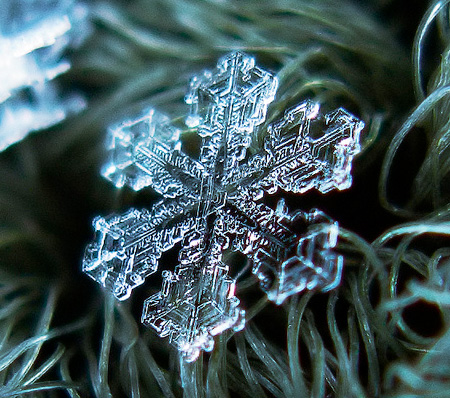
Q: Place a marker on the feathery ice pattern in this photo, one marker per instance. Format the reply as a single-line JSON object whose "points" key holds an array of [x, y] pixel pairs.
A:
{"points": [[212, 204]]}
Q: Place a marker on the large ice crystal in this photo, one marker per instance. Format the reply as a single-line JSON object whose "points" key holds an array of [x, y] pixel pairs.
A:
{"points": [[212, 204], [33, 37]]}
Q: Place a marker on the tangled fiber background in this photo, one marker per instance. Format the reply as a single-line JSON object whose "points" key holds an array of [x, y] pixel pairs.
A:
{"points": [[385, 332]]}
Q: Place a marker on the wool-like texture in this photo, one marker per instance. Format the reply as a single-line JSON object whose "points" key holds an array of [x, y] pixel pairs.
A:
{"points": [[384, 332]]}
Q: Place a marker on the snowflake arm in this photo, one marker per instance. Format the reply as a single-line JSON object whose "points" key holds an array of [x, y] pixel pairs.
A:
{"points": [[128, 246], [145, 151], [290, 252], [193, 306], [198, 300], [226, 105], [296, 158], [313, 265]]}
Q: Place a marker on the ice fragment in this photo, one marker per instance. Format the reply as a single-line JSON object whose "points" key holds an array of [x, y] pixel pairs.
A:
{"points": [[33, 37]]}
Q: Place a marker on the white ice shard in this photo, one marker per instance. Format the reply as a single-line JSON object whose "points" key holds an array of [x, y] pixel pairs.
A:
{"points": [[34, 36]]}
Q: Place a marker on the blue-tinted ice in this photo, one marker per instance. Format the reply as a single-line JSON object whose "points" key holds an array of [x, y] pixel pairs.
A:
{"points": [[33, 37]]}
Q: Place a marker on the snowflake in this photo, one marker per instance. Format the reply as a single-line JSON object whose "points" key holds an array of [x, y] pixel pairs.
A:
{"points": [[212, 204], [33, 37]]}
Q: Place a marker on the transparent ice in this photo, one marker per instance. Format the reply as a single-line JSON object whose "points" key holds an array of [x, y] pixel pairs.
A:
{"points": [[33, 37], [213, 204]]}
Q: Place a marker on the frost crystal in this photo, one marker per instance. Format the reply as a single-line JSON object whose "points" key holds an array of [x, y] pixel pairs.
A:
{"points": [[210, 204], [33, 37]]}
